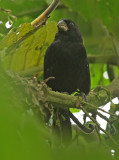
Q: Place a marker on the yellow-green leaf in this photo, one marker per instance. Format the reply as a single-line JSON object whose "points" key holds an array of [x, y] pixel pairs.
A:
{"points": [[23, 50]]}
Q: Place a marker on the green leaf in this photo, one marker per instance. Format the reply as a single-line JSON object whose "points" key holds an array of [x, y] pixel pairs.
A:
{"points": [[73, 110], [21, 135], [24, 49]]}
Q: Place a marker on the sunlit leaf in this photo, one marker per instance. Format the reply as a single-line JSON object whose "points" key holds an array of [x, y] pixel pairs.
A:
{"points": [[24, 49]]}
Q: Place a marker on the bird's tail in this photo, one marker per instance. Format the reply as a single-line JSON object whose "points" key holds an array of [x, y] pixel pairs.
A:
{"points": [[62, 126]]}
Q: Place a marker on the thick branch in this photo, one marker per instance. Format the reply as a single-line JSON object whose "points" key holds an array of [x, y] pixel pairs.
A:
{"points": [[45, 14], [63, 100], [104, 59], [95, 98]]}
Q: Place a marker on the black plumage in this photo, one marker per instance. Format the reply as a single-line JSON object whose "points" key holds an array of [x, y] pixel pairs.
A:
{"points": [[66, 60]]}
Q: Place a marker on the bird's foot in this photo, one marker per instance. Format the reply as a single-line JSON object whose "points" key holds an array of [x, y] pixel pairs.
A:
{"points": [[83, 95]]}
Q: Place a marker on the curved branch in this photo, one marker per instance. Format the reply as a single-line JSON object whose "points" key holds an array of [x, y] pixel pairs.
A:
{"points": [[43, 17], [81, 126]]}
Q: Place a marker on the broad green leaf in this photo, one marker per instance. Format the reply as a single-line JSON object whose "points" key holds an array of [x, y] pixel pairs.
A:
{"points": [[24, 49], [21, 135]]}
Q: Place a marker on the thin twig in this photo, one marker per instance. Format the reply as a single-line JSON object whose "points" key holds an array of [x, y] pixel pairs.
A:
{"points": [[101, 109]]}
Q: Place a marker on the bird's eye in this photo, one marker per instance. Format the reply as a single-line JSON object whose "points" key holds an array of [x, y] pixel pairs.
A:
{"points": [[72, 24]]}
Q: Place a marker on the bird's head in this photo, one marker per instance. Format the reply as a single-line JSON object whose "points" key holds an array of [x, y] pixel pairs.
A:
{"points": [[69, 30]]}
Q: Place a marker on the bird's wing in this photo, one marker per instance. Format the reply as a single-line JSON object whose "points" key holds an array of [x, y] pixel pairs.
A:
{"points": [[84, 67], [48, 62]]}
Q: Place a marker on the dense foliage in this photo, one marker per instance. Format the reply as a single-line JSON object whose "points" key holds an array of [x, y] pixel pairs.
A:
{"points": [[22, 50]]}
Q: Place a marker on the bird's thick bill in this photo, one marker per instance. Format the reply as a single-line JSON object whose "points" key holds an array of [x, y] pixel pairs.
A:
{"points": [[62, 26]]}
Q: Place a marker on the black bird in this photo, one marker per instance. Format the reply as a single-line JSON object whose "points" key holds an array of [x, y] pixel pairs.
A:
{"points": [[66, 60]]}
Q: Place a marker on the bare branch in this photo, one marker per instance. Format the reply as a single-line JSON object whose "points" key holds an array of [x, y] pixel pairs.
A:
{"points": [[43, 17]]}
